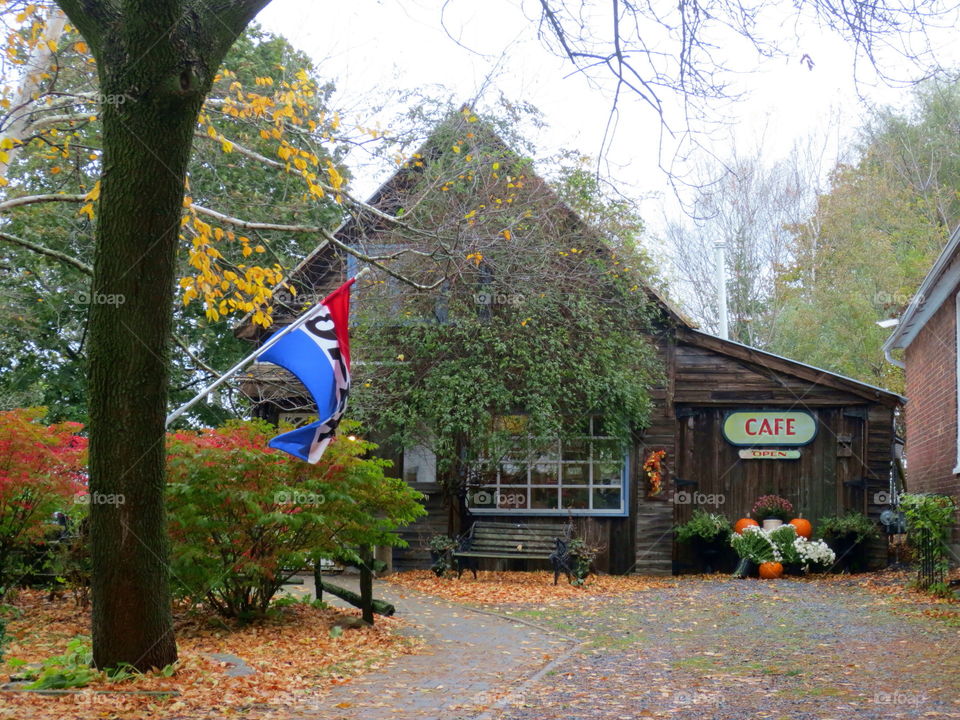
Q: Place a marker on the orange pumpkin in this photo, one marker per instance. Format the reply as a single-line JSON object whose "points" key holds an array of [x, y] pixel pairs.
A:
{"points": [[771, 570], [803, 526], [744, 522]]}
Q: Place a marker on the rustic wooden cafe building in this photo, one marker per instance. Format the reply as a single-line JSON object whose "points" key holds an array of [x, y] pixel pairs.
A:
{"points": [[734, 423], [731, 423]]}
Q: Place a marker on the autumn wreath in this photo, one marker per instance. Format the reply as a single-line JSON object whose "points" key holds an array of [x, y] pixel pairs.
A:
{"points": [[653, 466]]}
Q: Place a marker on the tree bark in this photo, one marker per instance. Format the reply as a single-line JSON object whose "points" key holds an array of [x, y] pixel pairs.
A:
{"points": [[160, 56]]}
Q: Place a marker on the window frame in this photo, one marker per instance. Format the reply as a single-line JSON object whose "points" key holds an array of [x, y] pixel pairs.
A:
{"points": [[530, 485]]}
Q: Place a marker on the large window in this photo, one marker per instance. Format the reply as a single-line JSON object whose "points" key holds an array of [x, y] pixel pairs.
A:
{"points": [[583, 476]]}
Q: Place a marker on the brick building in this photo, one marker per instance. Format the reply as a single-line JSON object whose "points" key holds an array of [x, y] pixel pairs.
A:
{"points": [[927, 335]]}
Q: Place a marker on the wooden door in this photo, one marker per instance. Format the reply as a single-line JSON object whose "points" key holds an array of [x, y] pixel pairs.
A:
{"points": [[714, 478]]}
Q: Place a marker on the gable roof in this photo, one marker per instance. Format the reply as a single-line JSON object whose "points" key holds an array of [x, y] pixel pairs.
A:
{"points": [[778, 363], [937, 286], [383, 198]]}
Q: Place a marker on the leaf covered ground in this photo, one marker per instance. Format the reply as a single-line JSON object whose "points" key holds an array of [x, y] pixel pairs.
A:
{"points": [[715, 648], [499, 588], [298, 656]]}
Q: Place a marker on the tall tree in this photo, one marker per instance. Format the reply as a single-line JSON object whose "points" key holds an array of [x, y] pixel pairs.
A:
{"points": [[161, 56], [747, 205]]}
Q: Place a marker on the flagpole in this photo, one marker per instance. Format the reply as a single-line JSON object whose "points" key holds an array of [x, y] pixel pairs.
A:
{"points": [[249, 358]]}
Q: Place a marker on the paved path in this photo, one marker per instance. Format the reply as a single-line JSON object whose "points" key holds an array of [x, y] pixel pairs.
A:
{"points": [[721, 649], [707, 649], [471, 661]]}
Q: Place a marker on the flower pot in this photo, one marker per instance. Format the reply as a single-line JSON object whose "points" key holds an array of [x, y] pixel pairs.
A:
{"points": [[772, 524], [744, 568], [708, 553]]}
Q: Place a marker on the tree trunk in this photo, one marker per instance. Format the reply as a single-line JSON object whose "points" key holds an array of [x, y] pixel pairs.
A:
{"points": [[146, 149], [160, 57]]}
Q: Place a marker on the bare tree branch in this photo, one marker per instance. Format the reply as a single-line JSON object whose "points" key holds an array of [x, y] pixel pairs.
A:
{"points": [[48, 252]]}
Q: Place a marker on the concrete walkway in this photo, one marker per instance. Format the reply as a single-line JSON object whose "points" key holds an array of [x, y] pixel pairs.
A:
{"points": [[470, 662]]}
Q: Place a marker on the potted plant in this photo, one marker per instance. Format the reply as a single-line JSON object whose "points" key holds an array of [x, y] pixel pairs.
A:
{"points": [[847, 536], [582, 556], [772, 511], [784, 539], [441, 553], [708, 535], [753, 547]]}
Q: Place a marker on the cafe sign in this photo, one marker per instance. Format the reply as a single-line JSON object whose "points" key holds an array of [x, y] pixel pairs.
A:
{"points": [[769, 427]]}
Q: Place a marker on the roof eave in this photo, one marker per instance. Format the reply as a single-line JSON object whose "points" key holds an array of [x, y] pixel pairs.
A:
{"points": [[921, 308]]}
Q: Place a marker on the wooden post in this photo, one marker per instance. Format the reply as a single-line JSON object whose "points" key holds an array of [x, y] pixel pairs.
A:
{"points": [[318, 580], [366, 583]]}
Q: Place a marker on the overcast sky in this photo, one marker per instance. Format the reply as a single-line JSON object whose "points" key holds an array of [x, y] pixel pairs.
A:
{"points": [[366, 45]]}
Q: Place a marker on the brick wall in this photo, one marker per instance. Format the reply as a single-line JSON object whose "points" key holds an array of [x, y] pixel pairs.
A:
{"points": [[931, 411]]}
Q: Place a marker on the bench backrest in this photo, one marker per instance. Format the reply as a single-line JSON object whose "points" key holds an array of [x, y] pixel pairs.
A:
{"points": [[515, 538]]}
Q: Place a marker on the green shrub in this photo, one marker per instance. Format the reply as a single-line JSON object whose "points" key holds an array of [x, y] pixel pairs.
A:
{"points": [[932, 516], [244, 518], [704, 525], [853, 524]]}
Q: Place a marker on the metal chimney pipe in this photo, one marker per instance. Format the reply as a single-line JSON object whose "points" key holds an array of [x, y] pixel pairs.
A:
{"points": [[720, 257]]}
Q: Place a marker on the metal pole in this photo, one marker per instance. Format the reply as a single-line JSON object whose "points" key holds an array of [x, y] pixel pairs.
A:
{"points": [[249, 359], [721, 261]]}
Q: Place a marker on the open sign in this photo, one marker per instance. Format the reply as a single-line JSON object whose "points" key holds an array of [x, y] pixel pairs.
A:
{"points": [[769, 427]]}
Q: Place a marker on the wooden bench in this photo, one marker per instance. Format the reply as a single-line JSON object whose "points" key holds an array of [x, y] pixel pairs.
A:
{"points": [[514, 541]]}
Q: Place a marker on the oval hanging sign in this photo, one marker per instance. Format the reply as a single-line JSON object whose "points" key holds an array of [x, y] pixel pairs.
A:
{"points": [[769, 427]]}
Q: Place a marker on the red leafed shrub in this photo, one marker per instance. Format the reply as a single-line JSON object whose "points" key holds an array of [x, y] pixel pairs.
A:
{"points": [[42, 470], [243, 517]]}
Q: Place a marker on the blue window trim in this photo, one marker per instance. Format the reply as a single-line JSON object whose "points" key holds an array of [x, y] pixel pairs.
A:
{"points": [[581, 512]]}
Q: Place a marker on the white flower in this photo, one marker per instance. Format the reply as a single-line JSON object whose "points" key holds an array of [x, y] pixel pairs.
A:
{"points": [[815, 552]]}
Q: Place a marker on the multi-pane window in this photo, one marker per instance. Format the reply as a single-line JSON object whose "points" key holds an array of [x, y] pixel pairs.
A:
{"points": [[583, 476]]}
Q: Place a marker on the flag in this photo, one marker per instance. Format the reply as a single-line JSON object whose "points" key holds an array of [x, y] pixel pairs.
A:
{"points": [[318, 353]]}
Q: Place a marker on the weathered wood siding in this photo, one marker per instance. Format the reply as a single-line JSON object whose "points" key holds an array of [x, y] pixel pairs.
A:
{"points": [[417, 553], [844, 468]]}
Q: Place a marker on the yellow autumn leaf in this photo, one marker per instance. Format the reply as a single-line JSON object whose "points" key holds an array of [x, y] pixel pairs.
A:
{"points": [[80, 47], [94, 193], [226, 145], [87, 210]]}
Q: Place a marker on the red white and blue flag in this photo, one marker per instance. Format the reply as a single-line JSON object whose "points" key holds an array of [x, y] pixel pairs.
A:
{"points": [[318, 353]]}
